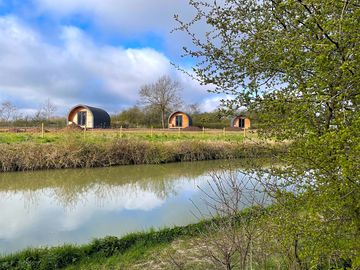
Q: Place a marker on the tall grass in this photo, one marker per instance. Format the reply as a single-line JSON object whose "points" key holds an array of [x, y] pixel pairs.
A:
{"points": [[85, 154]]}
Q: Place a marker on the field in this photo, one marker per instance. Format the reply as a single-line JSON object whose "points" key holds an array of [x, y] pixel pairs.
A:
{"points": [[11, 136]]}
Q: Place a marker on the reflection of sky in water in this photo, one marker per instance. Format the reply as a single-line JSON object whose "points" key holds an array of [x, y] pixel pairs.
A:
{"points": [[53, 215], [39, 218]]}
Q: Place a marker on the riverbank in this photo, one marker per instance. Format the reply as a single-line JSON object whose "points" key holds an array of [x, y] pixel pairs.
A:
{"points": [[78, 153], [253, 239], [132, 251], [130, 248]]}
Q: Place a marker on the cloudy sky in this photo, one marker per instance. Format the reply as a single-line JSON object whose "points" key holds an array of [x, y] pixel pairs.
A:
{"points": [[96, 52]]}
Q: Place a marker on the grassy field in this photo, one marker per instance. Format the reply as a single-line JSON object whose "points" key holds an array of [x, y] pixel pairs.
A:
{"points": [[157, 135]]}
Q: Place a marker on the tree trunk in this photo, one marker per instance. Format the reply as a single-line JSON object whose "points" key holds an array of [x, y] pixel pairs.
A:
{"points": [[163, 118], [296, 252]]}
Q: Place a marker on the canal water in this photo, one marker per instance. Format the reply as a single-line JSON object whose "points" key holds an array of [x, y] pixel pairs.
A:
{"points": [[48, 208]]}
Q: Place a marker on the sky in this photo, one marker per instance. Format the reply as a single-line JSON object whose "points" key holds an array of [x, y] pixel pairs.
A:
{"points": [[93, 52]]}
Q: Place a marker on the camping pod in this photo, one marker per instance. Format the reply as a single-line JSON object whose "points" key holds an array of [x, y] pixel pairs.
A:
{"points": [[88, 117], [240, 122], [179, 120]]}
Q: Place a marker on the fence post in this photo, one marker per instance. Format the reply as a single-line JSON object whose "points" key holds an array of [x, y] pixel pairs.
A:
{"points": [[203, 130], [224, 131], [121, 131], [42, 130]]}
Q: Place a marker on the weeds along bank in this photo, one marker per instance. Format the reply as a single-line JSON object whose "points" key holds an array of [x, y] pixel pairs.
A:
{"points": [[85, 154]]}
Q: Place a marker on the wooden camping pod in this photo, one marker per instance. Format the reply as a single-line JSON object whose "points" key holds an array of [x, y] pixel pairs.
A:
{"points": [[88, 117], [179, 119], [241, 122]]}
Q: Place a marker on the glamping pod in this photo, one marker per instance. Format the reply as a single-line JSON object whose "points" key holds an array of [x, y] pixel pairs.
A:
{"points": [[240, 122], [88, 117], [179, 120]]}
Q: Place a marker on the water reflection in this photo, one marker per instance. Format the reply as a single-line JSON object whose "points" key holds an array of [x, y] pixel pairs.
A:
{"points": [[74, 206]]}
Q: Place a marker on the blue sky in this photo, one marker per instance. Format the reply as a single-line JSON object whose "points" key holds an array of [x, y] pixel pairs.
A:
{"points": [[96, 52]]}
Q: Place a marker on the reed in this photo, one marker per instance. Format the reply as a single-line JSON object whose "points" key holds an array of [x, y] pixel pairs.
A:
{"points": [[119, 151]]}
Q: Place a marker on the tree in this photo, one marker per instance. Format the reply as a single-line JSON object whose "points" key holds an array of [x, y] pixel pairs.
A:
{"points": [[193, 108], [7, 111], [295, 63], [48, 109], [164, 95], [299, 54], [210, 120]]}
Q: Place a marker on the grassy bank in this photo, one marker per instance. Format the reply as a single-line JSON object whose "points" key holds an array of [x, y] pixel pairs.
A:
{"points": [[75, 152], [255, 235], [98, 249], [122, 252]]}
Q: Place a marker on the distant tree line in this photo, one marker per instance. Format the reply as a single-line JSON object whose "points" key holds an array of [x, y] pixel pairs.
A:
{"points": [[11, 116]]}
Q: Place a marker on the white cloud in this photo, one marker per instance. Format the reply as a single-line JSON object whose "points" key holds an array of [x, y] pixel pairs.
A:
{"points": [[126, 16], [131, 19], [210, 104], [23, 212], [78, 70]]}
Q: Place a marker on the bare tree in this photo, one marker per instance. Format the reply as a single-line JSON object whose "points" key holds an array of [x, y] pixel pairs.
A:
{"points": [[48, 109], [164, 95], [8, 111], [193, 108], [232, 236]]}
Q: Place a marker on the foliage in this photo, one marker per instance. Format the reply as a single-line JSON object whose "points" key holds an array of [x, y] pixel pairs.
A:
{"points": [[296, 59], [210, 120], [295, 64]]}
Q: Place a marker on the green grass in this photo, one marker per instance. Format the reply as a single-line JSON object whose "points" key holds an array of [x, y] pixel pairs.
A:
{"points": [[135, 255], [128, 249], [98, 136]]}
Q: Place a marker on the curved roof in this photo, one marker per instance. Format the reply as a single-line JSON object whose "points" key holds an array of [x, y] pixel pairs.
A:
{"points": [[236, 117], [172, 114], [101, 117]]}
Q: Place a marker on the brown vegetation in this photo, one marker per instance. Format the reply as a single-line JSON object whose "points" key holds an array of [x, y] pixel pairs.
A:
{"points": [[80, 154]]}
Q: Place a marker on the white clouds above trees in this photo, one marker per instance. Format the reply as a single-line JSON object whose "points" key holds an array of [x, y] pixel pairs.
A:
{"points": [[78, 68]]}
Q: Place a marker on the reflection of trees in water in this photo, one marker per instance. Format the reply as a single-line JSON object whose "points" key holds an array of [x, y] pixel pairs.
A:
{"points": [[72, 187]]}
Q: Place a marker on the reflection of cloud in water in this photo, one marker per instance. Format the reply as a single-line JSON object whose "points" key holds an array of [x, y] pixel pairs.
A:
{"points": [[74, 206], [15, 216]]}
